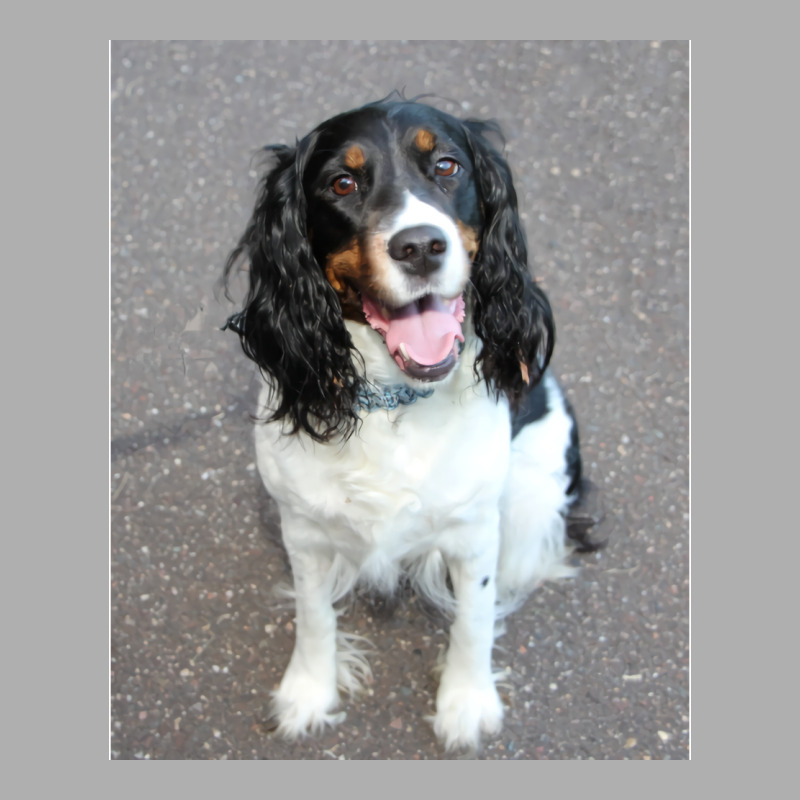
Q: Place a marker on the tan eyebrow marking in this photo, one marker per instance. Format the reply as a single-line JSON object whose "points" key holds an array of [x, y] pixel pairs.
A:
{"points": [[424, 140], [355, 157]]}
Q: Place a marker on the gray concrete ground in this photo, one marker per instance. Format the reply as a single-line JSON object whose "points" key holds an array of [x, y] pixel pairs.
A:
{"points": [[597, 133]]}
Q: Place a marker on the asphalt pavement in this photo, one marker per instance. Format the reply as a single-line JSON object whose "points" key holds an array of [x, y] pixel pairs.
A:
{"points": [[598, 142]]}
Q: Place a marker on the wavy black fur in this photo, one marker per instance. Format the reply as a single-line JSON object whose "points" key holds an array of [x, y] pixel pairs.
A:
{"points": [[292, 325], [513, 317]]}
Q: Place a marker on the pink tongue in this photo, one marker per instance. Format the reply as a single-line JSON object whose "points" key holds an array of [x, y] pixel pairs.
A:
{"points": [[427, 327]]}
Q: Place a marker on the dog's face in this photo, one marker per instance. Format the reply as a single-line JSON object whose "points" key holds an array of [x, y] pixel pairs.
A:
{"points": [[402, 219], [394, 219]]}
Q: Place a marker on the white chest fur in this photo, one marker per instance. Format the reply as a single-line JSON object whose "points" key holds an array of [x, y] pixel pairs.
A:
{"points": [[404, 481]]}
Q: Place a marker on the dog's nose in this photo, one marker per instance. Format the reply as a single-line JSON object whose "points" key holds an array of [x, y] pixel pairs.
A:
{"points": [[419, 250]]}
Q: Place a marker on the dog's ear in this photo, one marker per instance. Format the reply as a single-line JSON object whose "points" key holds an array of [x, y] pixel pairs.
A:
{"points": [[512, 314], [292, 324]]}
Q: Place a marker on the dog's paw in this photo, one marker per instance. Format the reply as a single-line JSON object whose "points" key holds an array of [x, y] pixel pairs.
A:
{"points": [[303, 705], [464, 712]]}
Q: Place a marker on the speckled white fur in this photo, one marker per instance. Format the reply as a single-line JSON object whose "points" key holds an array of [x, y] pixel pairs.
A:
{"points": [[431, 488]]}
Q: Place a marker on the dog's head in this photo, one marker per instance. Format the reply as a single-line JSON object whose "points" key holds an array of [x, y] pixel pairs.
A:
{"points": [[403, 219]]}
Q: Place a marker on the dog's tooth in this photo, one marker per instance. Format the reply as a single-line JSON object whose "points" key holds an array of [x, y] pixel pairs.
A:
{"points": [[404, 352]]}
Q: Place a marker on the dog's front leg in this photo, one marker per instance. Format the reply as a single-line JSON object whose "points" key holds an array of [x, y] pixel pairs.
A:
{"points": [[467, 702], [308, 691]]}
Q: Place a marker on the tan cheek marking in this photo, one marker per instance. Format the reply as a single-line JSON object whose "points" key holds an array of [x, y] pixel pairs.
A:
{"points": [[470, 240], [424, 140], [343, 269], [359, 268], [343, 265], [354, 158]]}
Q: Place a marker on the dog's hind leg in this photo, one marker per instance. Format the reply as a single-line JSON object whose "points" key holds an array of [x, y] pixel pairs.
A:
{"points": [[544, 469]]}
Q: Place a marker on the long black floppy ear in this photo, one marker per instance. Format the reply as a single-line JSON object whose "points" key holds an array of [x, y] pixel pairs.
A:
{"points": [[512, 314], [292, 324]]}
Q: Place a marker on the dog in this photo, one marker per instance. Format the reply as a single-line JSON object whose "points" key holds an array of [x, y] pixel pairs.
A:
{"points": [[410, 426]]}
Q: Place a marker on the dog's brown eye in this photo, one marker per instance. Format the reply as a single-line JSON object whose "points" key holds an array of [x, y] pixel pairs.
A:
{"points": [[344, 185], [446, 167]]}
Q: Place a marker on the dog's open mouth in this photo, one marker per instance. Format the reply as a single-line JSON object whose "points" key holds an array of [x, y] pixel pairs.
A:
{"points": [[423, 336]]}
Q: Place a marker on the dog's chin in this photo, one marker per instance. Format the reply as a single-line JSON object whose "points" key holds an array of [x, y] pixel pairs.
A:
{"points": [[429, 373]]}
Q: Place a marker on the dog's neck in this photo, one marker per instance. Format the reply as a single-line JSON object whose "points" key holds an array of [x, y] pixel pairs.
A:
{"points": [[374, 398]]}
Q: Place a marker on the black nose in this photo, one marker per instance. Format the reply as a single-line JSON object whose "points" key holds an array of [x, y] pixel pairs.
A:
{"points": [[420, 250]]}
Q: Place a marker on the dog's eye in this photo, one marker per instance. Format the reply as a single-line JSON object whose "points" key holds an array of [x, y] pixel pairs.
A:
{"points": [[344, 185], [446, 167]]}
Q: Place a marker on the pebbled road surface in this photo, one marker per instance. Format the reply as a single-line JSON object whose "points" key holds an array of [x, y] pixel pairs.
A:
{"points": [[597, 137]]}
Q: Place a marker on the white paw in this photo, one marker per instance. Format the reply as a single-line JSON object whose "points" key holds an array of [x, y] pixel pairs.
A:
{"points": [[303, 704], [464, 711]]}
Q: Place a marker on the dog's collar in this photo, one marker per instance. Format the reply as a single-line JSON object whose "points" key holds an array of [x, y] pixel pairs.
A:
{"points": [[372, 398]]}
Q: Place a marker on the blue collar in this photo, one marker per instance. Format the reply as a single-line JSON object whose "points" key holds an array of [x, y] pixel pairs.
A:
{"points": [[371, 398]]}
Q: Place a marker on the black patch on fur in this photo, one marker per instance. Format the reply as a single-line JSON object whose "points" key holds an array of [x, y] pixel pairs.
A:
{"points": [[532, 408], [574, 463]]}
